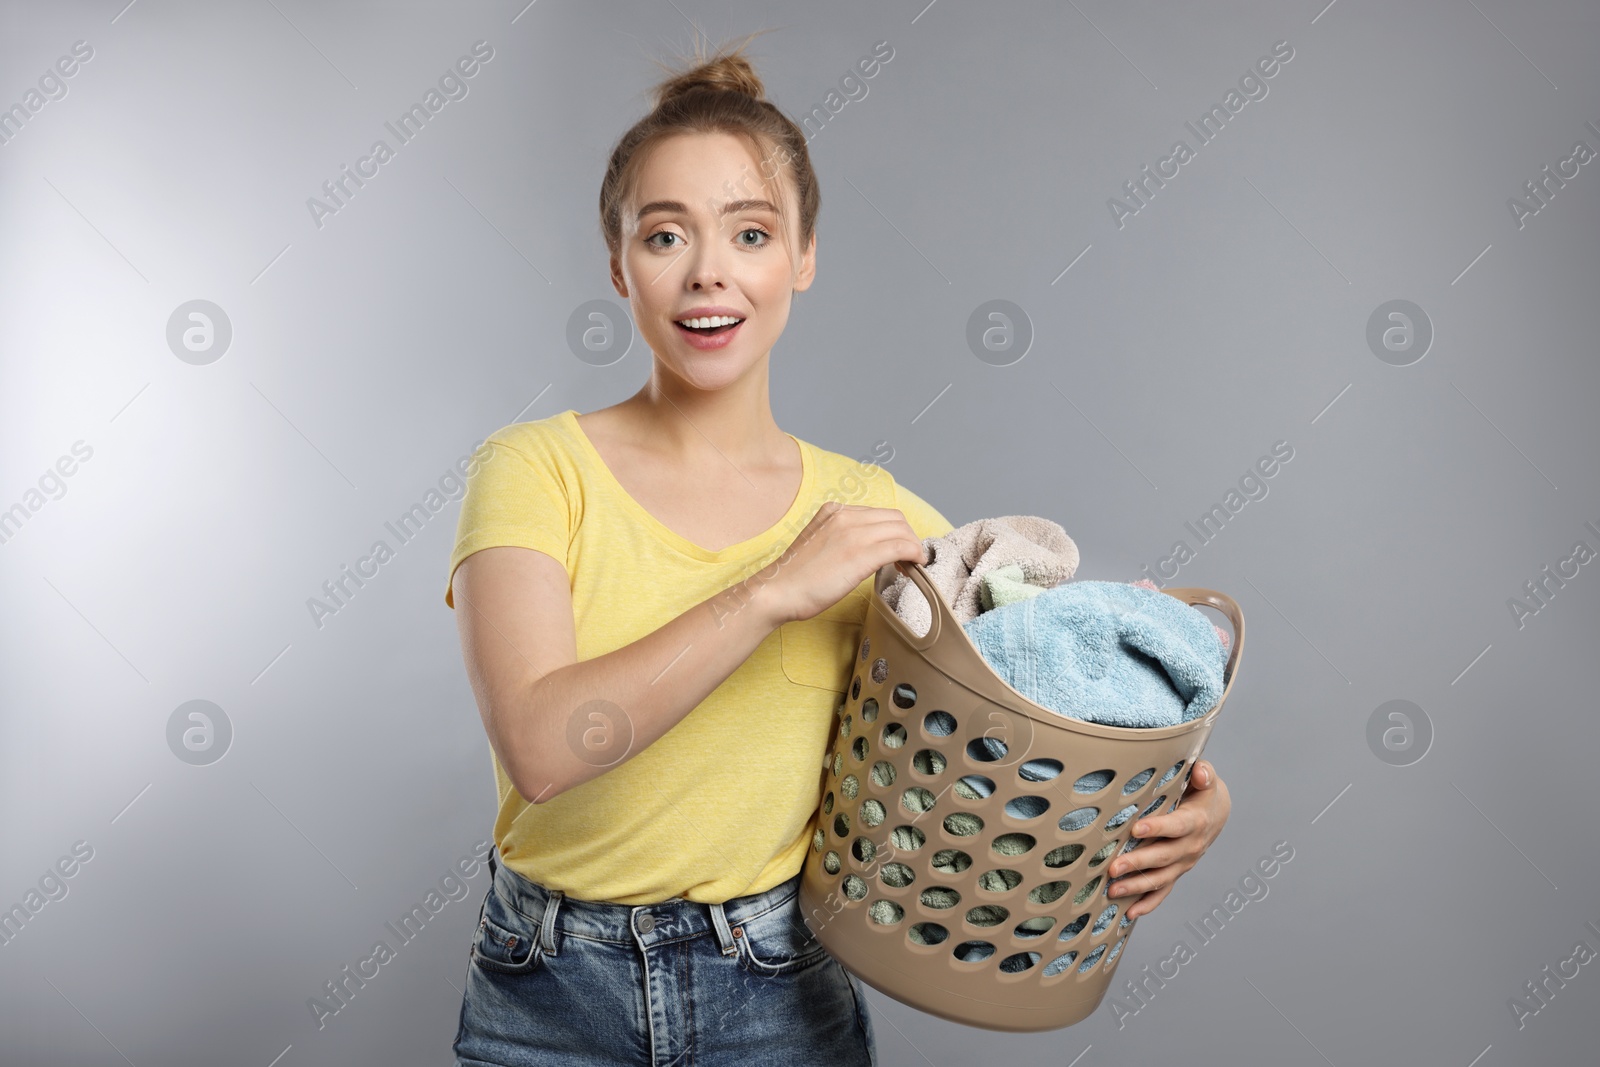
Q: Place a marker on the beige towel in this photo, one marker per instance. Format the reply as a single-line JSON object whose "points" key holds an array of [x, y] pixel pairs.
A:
{"points": [[958, 561]]}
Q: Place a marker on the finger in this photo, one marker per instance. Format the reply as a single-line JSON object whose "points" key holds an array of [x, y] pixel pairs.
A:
{"points": [[1147, 903], [1204, 776], [1144, 882], [1145, 857]]}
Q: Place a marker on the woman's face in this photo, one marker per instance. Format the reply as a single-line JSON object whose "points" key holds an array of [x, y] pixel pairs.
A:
{"points": [[684, 251]]}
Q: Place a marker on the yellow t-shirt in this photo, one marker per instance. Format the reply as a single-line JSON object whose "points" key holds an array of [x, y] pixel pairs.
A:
{"points": [[721, 804]]}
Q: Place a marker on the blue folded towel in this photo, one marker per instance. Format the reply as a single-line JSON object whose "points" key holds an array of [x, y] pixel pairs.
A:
{"points": [[1106, 652]]}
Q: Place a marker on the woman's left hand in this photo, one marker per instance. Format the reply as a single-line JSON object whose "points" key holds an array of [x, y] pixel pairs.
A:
{"points": [[1184, 835]]}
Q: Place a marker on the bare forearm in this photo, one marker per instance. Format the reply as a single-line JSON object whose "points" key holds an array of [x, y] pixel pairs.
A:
{"points": [[589, 717]]}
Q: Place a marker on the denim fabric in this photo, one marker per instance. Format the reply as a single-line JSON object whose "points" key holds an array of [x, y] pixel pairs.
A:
{"points": [[552, 979]]}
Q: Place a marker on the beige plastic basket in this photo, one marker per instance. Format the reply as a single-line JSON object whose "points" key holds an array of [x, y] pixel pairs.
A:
{"points": [[981, 909]]}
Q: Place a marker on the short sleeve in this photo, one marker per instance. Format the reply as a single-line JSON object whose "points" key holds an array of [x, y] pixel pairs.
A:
{"points": [[516, 495], [923, 517]]}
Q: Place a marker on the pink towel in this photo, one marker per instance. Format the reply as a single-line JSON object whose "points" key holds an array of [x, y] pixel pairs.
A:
{"points": [[958, 561]]}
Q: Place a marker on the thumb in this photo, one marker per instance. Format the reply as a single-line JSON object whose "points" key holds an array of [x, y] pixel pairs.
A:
{"points": [[1203, 774]]}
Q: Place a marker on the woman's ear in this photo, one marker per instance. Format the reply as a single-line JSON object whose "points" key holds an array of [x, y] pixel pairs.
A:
{"points": [[808, 265]]}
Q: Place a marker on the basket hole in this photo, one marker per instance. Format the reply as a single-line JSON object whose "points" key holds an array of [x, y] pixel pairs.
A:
{"points": [[844, 726], [1153, 805], [939, 723], [849, 787], [841, 824], [1093, 782], [869, 710], [1091, 959], [939, 896], [872, 812], [858, 749], [866, 647], [1165, 778], [880, 670], [1061, 857], [863, 849], [1049, 892], [1040, 770], [830, 862], [885, 912], [929, 762], [1019, 961], [838, 762], [987, 915], [1000, 880], [986, 749], [1124, 923], [1115, 949], [1035, 927], [1014, 844], [974, 787], [904, 695], [1087, 891], [1074, 928], [1104, 920], [818, 839], [928, 934], [951, 861], [827, 803], [1060, 963], [894, 735], [897, 875], [1078, 818], [974, 951], [855, 886], [908, 838], [855, 686], [963, 823], [1107, 850], [1121, 817], [917, 800], [883, 773], [1132, 784], [1029, 807]]}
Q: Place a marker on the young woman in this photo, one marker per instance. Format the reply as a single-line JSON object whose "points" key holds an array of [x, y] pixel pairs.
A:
{"points": [[658, 605]]}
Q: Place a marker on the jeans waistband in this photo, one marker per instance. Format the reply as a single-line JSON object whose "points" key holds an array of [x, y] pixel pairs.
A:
{"points": [[553, 912]]}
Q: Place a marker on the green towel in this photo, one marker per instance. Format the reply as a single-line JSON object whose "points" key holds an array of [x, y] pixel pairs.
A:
{"points": [[1005, 585]]}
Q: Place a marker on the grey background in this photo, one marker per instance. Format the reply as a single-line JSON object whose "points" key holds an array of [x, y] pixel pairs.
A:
{"points": [[369, 354]]}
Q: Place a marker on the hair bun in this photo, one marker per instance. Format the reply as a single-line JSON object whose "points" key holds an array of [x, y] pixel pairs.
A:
{"points": [[728, 73]]}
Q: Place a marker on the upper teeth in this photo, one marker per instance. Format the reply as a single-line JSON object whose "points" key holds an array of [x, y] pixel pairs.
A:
{"points": [[714, 320]]}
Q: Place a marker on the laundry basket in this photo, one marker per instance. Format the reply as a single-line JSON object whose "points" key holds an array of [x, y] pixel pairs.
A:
{"points": [[989, 910]]}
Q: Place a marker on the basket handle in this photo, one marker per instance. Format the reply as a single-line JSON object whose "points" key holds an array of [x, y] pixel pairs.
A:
{"points": [[936, 606], [1194, 595]]}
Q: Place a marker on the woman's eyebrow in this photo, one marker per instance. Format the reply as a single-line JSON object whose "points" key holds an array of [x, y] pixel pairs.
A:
{"points": [[677, 207]]}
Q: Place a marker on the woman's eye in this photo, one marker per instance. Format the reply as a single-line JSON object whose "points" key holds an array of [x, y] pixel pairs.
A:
{"points": [[765, 236], [661, 233]]}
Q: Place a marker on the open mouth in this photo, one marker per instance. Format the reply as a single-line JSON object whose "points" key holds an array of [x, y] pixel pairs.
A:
{"points": [[708, 327]]}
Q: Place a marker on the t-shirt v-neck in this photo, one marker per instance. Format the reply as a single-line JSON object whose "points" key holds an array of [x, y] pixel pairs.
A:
{"points": [[734, 551]]}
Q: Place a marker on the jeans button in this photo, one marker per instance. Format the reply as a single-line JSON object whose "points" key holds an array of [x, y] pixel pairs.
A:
{"points": [[647, 922]]}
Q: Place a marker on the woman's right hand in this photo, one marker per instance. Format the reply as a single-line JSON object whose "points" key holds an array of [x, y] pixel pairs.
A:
{"points": [[839, 548]]}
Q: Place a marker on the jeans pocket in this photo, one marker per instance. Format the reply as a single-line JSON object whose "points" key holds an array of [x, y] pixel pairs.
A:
{"points": [[779, 942], [505, 942]]}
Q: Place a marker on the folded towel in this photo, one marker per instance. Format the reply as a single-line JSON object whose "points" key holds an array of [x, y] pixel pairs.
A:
{"points": [[1106, 652], [958, 561], [1006, 585]]}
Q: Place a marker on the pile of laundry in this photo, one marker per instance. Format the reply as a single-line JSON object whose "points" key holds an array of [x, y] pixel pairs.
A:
{"points": [[1115, 653]]}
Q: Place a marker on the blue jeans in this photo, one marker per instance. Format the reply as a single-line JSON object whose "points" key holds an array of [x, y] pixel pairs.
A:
{"points": [[554, 979]]}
